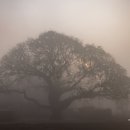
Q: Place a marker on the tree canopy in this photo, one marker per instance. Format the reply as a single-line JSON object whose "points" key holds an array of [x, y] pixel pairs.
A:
{"points": [[67, 67]]}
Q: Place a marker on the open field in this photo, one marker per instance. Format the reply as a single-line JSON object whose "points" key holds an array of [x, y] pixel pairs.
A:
{"points": [[68, 126]]}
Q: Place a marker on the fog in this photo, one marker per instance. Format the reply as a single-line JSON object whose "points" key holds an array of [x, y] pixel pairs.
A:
{"points": [[100, 22]]}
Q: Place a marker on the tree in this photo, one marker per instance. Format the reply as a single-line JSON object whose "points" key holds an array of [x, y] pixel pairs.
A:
{"points": [[69, 71]]}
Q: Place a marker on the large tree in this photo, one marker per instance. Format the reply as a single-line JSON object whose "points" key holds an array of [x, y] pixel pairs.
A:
{"points": [[69, 71]]}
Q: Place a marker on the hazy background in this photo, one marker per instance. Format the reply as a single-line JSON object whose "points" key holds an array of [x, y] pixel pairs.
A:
{"points": [[102, 22]]}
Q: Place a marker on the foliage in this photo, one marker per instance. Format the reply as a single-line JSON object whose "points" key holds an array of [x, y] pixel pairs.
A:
{"points": [[67, 67]]}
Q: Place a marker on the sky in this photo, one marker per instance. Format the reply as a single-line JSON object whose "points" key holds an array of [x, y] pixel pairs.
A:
{"points": [[100, 22]]}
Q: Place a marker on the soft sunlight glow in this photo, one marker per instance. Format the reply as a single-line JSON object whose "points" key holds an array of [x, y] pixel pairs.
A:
{"points": [[87, 66]]}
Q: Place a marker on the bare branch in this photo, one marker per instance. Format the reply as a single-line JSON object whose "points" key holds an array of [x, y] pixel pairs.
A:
{"points": [[31, 99]]}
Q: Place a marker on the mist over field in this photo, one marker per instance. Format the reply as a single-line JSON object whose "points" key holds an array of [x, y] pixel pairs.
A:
{"points": [[64, 61]]}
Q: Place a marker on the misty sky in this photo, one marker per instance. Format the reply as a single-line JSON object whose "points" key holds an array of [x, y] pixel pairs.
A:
{"points": [[100, 22]]}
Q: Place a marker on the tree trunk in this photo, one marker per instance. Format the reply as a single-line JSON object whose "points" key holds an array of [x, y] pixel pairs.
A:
{"points": [[56, 115], [54, 99]]}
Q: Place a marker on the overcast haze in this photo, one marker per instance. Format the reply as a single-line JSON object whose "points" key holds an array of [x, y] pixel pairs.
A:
{"points": [[102, 22]]}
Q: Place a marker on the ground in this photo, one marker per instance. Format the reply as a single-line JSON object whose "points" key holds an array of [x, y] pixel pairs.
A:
{"points": [[68, 126]]}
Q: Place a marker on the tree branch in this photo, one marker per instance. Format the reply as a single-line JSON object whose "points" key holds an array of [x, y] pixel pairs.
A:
{"points": [[73, 85], [85, 94], [26, 97]]}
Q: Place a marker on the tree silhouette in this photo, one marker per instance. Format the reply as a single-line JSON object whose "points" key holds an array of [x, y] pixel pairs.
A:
{"points": [[69, 70]]}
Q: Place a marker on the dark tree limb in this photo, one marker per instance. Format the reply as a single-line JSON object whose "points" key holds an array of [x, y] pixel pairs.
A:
{"points": [[25, 95]]}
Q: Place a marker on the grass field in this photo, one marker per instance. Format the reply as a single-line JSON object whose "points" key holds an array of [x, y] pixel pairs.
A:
{"points": [[68, 126]]}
